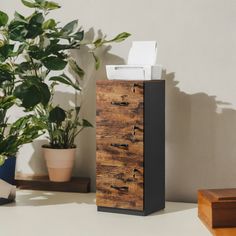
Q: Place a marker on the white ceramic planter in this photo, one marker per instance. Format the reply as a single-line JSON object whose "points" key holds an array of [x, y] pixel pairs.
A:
{"points": [[60, 163]]}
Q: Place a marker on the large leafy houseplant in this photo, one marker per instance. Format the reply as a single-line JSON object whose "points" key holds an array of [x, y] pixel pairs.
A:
{"points": [[36, 46], [13, 135], [35, 55]]}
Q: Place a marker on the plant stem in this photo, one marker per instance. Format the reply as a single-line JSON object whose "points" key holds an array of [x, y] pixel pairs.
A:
{"points": [[35, 69]]}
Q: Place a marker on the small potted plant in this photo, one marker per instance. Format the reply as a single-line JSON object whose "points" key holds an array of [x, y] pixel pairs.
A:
{"points": [[62, 127], [45, 50]]}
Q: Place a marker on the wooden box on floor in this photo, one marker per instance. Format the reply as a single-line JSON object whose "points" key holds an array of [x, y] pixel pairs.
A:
{"points": [[217, 207]]}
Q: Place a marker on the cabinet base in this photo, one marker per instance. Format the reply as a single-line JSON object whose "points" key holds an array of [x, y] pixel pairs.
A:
{"points": [[121, 211]]}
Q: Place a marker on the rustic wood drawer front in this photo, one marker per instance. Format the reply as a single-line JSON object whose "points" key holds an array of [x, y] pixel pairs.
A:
{"points": [[120, 103], [120, 186], [120, 145], [119, 91], [123, 121]]}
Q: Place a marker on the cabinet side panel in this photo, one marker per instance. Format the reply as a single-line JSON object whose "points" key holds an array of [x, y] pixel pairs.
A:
{"points": [[154, 145]]}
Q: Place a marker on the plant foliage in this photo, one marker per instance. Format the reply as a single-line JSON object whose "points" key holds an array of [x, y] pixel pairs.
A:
{"points": [[32, 48]]}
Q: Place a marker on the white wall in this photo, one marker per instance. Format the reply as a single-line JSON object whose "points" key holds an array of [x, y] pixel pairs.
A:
{"points": [[198, 50]]}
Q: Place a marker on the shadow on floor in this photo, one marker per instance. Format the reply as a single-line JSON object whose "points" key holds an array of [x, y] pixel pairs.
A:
{"points": [[172, 207], [46, 198]]}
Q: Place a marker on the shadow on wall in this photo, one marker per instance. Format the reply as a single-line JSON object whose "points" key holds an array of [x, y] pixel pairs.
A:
{"points": [[86, 162], [86, 142], [200, 143]]}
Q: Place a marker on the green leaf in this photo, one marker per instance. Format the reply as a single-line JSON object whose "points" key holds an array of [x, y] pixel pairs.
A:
{"points": [[2, 160], [34, 27], [54, 63], [28, 94], [40, 1], [30, 4], [65, 80], [2, 43], [36, 53], [98, 43], [50, 5], [97, 61], [5, 75], [24, 67], [9, 145], [20, 18], [36, 18], [19, 124], [55, 48], [41, 4], [86, 123], [49, 24], [60, 79], [7, 102], [41, 90], [20, 49], [74, 66], [3, 18], [70, 27], [119, 38], [57, 115], [17, 31], [78, 35], [74, 85], [6, 51], [45, 93]]}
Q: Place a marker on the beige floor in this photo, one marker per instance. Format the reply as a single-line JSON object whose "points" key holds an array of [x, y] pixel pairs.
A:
{"points": [[38, 213]]}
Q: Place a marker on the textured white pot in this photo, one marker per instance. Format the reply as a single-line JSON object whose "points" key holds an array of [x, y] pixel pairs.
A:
{"points": [[60, 163]]}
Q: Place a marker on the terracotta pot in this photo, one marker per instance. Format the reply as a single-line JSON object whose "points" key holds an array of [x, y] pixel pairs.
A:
{"points": [[60, 163]]}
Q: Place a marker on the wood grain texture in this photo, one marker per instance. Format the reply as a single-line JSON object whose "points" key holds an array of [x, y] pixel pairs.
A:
{"points": [[120, 187], [204, 209], [224, 232], [217, 207], [119, 122]]}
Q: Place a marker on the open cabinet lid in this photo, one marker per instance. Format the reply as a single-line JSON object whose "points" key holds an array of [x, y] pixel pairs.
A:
{"points": [[143, 53]]}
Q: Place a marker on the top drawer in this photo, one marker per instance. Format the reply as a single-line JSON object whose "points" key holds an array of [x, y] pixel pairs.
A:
{"points": [[119, 91], [119, 103]]}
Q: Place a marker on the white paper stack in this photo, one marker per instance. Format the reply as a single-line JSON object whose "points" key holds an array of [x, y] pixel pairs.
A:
{"points": [[141, 63]]}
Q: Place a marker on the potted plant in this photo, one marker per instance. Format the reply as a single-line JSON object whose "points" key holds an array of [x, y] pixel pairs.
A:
{"points": [[62, 127], [12, 136], [44, 47]]}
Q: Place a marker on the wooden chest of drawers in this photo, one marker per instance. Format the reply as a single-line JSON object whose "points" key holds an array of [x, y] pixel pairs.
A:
{"points": [[130, 170]]}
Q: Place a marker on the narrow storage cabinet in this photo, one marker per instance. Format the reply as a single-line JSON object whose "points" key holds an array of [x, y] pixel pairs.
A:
{"points": [[130, 135]]}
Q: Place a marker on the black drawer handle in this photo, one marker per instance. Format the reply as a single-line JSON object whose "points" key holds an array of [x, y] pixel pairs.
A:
{"points": [[136, 128], [123, 104], [123, 188], [136, 86], [119, 145]]}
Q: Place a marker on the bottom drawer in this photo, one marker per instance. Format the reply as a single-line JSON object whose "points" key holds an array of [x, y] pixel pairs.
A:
{"points": [[120, 187]]}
